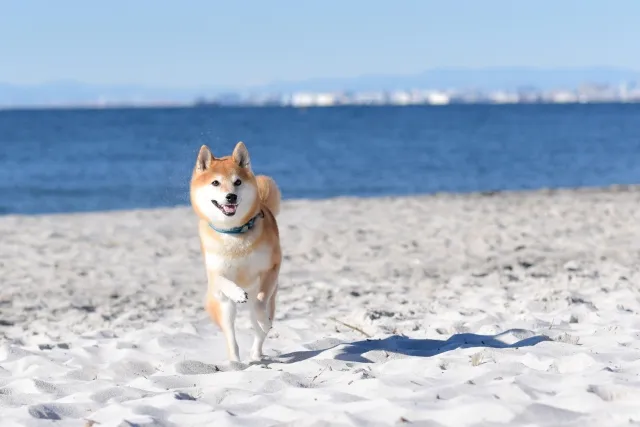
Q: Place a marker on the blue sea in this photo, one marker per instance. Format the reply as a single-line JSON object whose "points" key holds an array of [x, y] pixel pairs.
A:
{"points": [[55, 161]]}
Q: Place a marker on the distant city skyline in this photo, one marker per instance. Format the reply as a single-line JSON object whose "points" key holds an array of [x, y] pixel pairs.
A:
{"points": [[247, 44], [439, 86]]}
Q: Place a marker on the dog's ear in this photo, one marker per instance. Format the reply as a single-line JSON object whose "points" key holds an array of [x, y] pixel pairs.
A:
{"points": [[204, 159], [241, 155]]}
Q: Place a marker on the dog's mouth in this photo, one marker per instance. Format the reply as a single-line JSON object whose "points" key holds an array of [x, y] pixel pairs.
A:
{"points": [[228, 209]]}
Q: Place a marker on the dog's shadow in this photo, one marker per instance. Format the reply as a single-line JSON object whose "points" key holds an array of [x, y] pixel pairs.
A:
{"points": [[356, 351]]}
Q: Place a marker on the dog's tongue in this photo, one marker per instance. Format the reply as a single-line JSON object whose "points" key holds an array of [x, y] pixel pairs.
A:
{"points": [[229, 208]]}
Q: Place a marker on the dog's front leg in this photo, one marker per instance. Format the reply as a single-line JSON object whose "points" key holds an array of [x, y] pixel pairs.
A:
{"points": [[223, 312], [232, 291], [221, 304]]}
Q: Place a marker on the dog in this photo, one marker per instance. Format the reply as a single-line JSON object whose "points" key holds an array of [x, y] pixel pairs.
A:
{"points": [[240, 242]]}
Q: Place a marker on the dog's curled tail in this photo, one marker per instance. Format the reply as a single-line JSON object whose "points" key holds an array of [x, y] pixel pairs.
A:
{"points": [[269, 193]]}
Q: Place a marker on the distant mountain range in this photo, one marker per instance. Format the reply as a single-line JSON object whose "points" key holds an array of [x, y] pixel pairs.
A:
{"points": [[69, 92], [507, 78]]}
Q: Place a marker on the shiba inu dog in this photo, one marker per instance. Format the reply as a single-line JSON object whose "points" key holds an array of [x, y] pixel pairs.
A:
{"points": [[240, 241]]}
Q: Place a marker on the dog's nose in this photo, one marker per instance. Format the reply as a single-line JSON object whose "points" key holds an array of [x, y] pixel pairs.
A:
{"points": [[231, 198]]}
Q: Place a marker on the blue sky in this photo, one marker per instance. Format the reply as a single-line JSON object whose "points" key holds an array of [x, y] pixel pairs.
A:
{"points": [[241, 43]]}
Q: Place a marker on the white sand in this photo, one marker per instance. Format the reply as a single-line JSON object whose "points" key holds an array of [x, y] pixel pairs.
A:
{"points": [[514, 309]]}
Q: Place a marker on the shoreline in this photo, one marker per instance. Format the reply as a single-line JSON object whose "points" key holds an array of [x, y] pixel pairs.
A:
{"points": [[192, 105], [612, 188]]}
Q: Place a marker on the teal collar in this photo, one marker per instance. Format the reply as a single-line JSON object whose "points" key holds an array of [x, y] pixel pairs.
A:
{"points": [[239, 230]]}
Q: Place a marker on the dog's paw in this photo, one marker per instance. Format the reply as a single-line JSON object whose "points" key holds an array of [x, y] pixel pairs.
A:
{"points": [[237, 295], [256, 356], [245, 298]]}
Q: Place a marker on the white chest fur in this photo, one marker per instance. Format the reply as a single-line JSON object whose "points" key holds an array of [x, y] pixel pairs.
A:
{"points": [[244, 270]]}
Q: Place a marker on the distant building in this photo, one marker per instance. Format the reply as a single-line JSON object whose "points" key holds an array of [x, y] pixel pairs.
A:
{"points": [[438, 98], [370, 98], [504, 97], [303, 99], [562, 97], [400, 98]]}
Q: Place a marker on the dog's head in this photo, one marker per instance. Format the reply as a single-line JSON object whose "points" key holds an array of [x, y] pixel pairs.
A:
{"points": [[223, 190]]}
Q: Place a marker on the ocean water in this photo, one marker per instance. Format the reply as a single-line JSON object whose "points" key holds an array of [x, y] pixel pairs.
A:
{"points": [[82, 160]]}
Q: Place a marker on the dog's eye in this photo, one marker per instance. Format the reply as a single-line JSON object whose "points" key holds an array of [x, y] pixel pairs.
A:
{"points": [[215, 183], [238, 182]]}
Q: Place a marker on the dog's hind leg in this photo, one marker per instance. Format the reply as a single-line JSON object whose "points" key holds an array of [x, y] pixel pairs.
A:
{"points": [[259, 334], [262, 308]]}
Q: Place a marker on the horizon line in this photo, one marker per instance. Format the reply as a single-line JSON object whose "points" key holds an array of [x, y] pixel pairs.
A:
{"points": [[73, 81]]}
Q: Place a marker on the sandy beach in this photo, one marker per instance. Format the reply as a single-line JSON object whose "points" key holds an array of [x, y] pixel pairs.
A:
{"points": [[515, 309]]}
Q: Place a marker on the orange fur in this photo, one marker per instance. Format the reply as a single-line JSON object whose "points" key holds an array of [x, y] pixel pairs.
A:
{"points": [[213, 308], [269, 193]]}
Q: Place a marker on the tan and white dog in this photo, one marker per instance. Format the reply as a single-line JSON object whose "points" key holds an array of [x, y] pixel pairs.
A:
{"points": [[240, 241]]}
